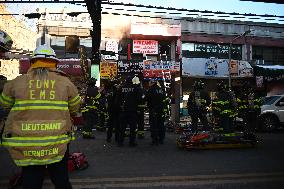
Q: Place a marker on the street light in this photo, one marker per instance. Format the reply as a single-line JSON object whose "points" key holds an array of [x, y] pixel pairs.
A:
{"points": [[230, 49]]}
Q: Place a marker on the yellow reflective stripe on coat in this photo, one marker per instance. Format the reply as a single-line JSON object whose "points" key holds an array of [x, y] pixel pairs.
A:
{"points": [[6, 100], [36, 141], [74, 101], [27, 162], [39, 105]]}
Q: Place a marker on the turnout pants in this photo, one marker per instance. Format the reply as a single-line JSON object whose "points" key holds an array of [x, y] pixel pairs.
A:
{"points": [[140, 122], [195, 115], [90, 120], [33, 175], [113, 123], [157, 127], [127, 119]]}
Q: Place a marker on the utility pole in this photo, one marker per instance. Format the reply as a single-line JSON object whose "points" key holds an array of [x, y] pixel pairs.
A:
{"points": [[94, 9], [230, 55]]}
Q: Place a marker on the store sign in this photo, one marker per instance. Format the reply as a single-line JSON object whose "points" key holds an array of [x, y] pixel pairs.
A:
{"points": [[112, 45], [145, 46], [125, 67], [203, 67], [149, 68], [160, 69], [69, 66], [155, 29], [108, 70]]}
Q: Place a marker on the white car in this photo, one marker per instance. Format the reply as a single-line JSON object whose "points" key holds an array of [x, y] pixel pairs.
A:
{"points": [[272, 113]]}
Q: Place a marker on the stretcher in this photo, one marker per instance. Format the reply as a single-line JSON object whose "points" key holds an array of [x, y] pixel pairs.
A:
{"points": [[216, 140]]}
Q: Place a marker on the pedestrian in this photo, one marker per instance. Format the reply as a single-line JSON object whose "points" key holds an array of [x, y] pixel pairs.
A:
{"points": [[155, 97], [38, 127], [197, 104], [90, 109], [128, 97]]}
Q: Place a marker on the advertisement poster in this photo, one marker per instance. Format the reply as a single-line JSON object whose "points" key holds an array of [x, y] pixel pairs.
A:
{"points": [[108, 70], [211, 67], [145, 46], [245, 69], [259, 81], [234, 67], [112, 45]]}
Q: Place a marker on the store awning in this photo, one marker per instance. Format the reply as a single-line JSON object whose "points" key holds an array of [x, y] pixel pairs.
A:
{"points": [[270, 72]]}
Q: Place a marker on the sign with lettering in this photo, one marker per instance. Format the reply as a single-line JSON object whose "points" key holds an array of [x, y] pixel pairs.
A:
{"points": [[145, 46], [112, 45], [69, 66], [108, 69], [160, 69]]}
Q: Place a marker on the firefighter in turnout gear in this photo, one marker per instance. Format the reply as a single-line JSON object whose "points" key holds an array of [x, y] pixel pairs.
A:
{"points": [[249, 107], [113, 111], [197, 104], [128, 96], [224, 108], [141, 109], [102, 109], [155, 97], [38, 127], [90, 109]]}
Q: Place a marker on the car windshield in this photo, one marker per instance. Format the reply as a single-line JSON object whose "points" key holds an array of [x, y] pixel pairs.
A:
{"points": [[270, 100]]}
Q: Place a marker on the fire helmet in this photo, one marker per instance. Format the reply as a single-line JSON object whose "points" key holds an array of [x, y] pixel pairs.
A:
{"points": [[45, 52], [5, 41]]}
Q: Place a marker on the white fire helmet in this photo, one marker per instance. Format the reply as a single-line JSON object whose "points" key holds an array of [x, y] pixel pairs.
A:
{"points": [[44, 51], [135, 80]]}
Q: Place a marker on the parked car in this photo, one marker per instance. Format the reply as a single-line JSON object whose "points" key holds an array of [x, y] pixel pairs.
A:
{"points": [[272, 113]]}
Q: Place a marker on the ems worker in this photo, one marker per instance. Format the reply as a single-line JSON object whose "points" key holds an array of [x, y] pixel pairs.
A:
{"points": [[197, 104], [38, 127], [155, 97], [90, 110], [128, 97]]}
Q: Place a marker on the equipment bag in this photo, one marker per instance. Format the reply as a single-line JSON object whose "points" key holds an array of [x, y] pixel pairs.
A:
{"points": [[77, 161]]}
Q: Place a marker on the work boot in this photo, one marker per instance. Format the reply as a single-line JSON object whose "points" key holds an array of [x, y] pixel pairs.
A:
{"points": [[88, 135]]}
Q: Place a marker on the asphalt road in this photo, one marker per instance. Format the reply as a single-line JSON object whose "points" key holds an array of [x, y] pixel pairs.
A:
{"points": [[166, 166]]}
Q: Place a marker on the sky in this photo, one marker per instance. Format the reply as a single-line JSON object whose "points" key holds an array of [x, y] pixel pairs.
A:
{"points": [[211, 5]]}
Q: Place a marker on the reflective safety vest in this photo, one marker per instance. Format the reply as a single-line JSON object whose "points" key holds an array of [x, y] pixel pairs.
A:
{"points": [[94, 105], [38, 127], [223, 108]]}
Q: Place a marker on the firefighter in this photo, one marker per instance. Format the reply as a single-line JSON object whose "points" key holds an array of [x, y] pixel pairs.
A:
{"points": [[90, 109], [102, 109], [224, 107], [113, 111], [197, 105], [141, 109], [38, 127], [249, 107], [155, 97], [128, 97]]}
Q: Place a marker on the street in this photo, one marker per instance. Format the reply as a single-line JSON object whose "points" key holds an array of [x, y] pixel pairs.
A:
{"points": [[166, 166]]}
